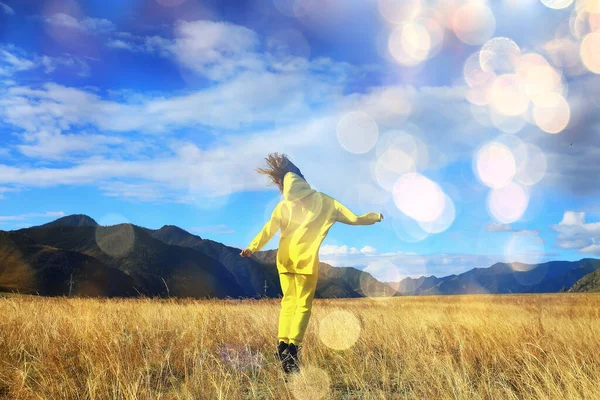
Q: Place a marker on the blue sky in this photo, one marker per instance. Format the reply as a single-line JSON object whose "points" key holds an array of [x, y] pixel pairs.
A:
{"points": [[158, 112]]}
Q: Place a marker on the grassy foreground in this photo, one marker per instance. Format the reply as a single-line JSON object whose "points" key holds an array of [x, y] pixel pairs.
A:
{"points": [[455, 347]]}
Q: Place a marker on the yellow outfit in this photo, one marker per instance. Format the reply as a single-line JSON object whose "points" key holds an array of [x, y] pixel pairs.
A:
{"points": [[304, 217]]}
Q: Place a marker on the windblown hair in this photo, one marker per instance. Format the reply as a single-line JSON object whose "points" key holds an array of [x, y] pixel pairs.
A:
{"points": [[277, 166]]}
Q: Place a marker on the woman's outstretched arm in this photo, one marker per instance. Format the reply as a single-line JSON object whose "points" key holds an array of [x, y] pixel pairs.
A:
{"points": [[266, 233], [344, 215]]}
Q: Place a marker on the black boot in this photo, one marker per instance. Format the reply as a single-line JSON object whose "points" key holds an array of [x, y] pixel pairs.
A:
{"points": [[293, 364], [282, 354]]}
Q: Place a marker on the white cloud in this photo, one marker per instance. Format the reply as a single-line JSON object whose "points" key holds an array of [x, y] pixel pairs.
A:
{"points": [[575, 233], [220, 229], [54, 145], [87, 24], [394, 266], [22, 217], [4, 190], [6, 9], [497, 227], [11, 63]]}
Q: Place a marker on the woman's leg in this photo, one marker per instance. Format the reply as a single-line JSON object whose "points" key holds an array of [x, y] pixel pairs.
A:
{"points": [[305, 293], [288, 306]]}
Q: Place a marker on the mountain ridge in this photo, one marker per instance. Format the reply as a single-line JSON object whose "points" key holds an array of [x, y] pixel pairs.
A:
{"points": [[171, 261]]}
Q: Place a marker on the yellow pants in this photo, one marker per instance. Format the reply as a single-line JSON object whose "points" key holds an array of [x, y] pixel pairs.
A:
{"points": [[298, 293]]}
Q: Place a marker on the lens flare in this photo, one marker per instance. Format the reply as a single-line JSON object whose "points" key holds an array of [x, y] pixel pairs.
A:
{"points": [[495, 164], [551, 112], [416, 41], [590, 52], [499, 55], [474, 23], [311, 383], [474, 75], [507, 95], [339, 329], [390, 165], [537, 76], [507, 123], [557, 4], [508, 203], [444, 221], [524, 251], [531, 164], [419, 197], [387, 279], [398, 11], [407, 229], [357, 132], [117, 240], [590, 6]]}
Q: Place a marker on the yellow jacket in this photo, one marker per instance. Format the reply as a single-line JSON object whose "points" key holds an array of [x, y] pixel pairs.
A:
{"points": [[304, 217]]}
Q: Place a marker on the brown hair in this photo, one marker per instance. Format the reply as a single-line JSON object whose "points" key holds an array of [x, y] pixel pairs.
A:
{"points": [[277, 166]]}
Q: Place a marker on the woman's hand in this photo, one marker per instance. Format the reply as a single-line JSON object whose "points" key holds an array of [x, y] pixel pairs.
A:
{"points": [[246, 253]]}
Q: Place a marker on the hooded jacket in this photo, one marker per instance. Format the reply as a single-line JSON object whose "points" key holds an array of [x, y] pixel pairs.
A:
{"points": [[304, 217]]}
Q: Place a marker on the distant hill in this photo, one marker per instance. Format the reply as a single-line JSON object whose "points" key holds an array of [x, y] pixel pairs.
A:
{"points": [[549, 277], [156, 268], [126, 260], [28, 267], [72, 220], [589, 283]]}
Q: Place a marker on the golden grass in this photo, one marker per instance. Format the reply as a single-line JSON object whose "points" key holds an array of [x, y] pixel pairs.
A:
{"points": [[454, 347]]}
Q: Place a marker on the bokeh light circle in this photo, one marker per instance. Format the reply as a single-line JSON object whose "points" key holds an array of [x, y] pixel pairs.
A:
{"points": [[117, 240], [474, 75], [398, 11], [474, 23], [419, 197], [551, 112], [499, 55], [495, 164], [357, 132], [444, 221], [508, 203], [557, 4], [311, 383], [339, 329], [524, 252], [416, 41], [387, 275], [531, 164], [507, 95], [590, 52]]}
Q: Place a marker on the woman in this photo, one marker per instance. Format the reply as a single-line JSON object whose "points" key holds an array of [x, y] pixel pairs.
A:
{"points": [[304, 217]]}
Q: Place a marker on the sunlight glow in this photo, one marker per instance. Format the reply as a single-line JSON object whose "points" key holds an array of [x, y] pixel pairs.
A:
{"points": [[508, 203], [386, 273], [312, 383], [531, 164], [499, 55], [495, 164], [551, 112], [419, 197], [357, 132], [398, 11], [474, 23], [557, 4], [590, 52], [339, 329]]}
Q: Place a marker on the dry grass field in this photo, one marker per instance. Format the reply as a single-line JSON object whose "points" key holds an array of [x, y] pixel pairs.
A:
{"points": [[456, 347]]}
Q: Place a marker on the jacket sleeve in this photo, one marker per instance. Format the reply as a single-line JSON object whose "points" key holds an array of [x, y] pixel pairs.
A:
{"points": [[344, 215], [267, 232]]}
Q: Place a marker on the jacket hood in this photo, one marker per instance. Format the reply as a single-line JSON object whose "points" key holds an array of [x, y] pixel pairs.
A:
{"points": [[295, 188]]}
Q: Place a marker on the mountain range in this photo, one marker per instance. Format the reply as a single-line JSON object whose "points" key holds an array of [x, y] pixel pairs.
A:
{"points": [[75, 255]]}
